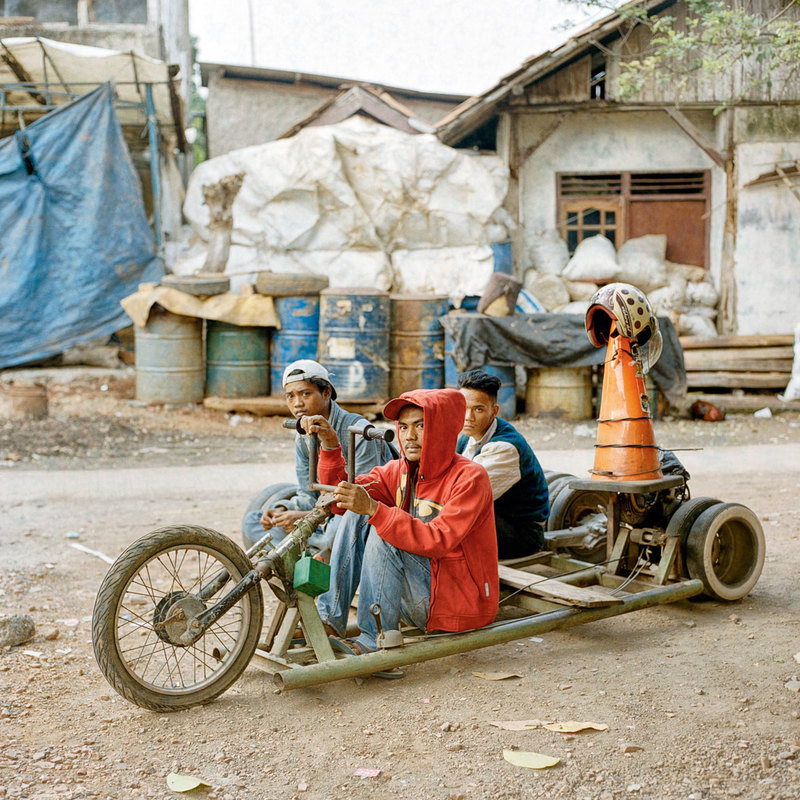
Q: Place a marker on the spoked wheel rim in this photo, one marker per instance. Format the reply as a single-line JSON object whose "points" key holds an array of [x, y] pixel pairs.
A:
{"points": [[148, 621]]}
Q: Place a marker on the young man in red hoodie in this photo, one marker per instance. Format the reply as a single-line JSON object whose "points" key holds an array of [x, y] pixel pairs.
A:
{"points": [[431, 559]]}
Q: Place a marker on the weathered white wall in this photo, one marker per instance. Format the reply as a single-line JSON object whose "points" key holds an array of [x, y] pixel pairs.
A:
{"points": [[767, 243], [608, 142], [241, 113]]}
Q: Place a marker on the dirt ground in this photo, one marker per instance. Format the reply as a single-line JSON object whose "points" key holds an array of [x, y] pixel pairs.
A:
{"points": [[700, 697]]}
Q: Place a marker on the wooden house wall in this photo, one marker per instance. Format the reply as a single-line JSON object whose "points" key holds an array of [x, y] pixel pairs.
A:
{"points": [[570, 83]]}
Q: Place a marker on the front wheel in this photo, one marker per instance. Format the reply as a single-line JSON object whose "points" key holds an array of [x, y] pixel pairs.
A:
{"points": [[158, 584]]}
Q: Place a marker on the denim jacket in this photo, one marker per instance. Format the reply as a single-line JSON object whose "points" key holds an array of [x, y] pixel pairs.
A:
{"points": [[369, 454]]}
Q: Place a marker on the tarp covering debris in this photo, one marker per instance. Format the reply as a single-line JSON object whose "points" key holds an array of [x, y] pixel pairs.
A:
{"points": [[254, 310], [363, 204], [553, 340], [74, 239]]}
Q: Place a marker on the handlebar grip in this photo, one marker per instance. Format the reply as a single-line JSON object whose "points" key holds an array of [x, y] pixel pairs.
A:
{"points": [[293, 425], [371, 432]]}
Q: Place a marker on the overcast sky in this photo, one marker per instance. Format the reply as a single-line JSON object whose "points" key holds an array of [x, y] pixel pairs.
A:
{"points": [[458, 46]]}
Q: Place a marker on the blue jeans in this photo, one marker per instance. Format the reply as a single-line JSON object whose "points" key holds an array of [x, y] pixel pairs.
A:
{"points": [[319, 540], [346, 559], [399, 581]]}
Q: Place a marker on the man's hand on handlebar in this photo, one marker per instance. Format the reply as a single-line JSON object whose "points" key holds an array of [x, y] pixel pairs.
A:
{"points": [[355, 498], [280, 518], [316, 423]]}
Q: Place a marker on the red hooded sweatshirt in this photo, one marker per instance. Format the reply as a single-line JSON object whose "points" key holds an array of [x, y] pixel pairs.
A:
{"points": [[452, 519]]}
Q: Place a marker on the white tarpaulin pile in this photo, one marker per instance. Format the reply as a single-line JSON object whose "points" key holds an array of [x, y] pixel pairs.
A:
{"points": [[361, 203]]}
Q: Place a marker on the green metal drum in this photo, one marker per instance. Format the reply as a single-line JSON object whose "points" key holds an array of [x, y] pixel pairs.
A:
{"points": [[169, 358], [237, 360]]}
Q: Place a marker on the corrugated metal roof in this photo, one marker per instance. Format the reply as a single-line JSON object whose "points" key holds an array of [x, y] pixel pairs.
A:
{"points": [[265, 74]]}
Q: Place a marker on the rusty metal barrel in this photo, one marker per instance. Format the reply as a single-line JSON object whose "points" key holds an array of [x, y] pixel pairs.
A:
{"points": [[561, 392], [298, 334], [354, 342], [416, 342], [237, 360], [27, 400], [169, 358]]}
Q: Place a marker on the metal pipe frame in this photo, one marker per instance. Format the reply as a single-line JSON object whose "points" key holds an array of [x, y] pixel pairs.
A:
{"points": [[452, 644], [155, 178]]}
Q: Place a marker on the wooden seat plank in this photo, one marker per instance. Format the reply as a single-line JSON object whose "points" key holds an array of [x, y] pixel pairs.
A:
{"points": [[555, 590]]}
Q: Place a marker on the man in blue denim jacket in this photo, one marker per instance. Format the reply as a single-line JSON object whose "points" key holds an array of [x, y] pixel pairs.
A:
{"points": [[309, 391]]}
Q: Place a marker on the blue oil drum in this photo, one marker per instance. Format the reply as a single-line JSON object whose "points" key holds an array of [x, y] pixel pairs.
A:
{"points": [[354, 342], [450, 369], [237, 360], [503, 258], [169, 358], [507, 396], [416, 342], [297, 337]]}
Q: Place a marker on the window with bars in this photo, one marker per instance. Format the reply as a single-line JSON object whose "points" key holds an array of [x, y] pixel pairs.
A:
{"points": [[624, 205]]}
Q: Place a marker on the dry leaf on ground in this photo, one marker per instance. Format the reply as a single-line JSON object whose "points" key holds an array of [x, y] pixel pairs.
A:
{"points": [[184, 783], [496, 676], [575, 727], [520, 758]]}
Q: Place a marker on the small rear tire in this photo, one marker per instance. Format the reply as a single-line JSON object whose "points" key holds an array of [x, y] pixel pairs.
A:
{"points": [[725, 549]]}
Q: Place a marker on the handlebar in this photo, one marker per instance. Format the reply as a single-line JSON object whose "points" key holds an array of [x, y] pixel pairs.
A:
{"points": [[369, 431], [365, 429]]}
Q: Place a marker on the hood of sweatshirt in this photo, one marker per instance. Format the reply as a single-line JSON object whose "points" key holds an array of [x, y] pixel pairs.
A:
{"points": [[443, 418]]}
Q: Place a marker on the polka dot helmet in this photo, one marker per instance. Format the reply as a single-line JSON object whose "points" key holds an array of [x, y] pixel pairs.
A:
{"points": [[629, 308]]}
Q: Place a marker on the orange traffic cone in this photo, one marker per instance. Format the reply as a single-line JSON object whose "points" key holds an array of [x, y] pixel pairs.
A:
{"points": [[626, 443]]}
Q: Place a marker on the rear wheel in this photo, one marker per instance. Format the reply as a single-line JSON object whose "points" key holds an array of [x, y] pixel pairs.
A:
{"points": [[574, 507], [725, 549], [144, 607], [680, 523], [557, 482]]}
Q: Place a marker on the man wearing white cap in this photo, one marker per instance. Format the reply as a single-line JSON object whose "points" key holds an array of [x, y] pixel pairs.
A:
{"points": [[309, 392]]}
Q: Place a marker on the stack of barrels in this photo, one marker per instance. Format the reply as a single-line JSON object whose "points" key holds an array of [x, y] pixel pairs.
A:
{"points": [[375, 345]]}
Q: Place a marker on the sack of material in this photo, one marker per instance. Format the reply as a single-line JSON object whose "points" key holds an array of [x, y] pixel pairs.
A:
{"points": [[702, 294], [547, 252], [793, 388], [595, 260], [549, 290], [642, 262]]}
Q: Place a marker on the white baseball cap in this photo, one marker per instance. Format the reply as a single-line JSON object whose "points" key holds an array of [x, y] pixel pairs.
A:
{"points": [[307, 369]]}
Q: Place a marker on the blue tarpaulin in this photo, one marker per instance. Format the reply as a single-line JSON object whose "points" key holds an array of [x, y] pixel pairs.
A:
{"points": [[74, 238]]}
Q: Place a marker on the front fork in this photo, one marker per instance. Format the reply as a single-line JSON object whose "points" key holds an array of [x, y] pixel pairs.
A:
{"points": [[278, 561]]}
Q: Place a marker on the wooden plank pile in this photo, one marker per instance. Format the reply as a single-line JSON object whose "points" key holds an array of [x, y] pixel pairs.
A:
{"points": [[738, 362]]}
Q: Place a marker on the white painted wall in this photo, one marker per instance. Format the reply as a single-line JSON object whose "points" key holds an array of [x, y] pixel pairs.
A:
{"points": [[767, 243], [608, 142]]}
